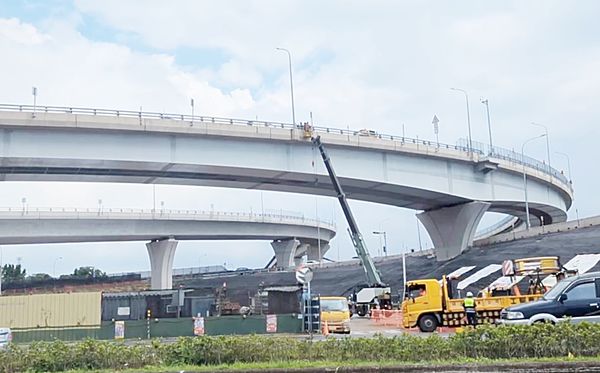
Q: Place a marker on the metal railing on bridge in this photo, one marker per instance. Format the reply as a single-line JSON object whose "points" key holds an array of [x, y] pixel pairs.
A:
{"points": [[462, 144], [269, 216]]}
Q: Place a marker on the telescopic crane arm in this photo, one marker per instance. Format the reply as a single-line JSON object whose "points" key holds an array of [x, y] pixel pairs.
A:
{"points": [[373, 277]]}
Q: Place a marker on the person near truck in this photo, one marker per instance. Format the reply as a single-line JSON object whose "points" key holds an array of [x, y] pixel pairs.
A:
{"points": [[470, 311]]}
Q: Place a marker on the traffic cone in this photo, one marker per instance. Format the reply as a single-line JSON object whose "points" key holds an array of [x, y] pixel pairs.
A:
{"points": [[325, 330]]}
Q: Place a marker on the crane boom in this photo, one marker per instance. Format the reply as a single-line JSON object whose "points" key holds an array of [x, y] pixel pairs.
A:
{"points": [[373, 277]]}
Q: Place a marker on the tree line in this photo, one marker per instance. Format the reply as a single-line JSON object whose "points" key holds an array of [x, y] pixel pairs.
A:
{"points": [[16, 273]]}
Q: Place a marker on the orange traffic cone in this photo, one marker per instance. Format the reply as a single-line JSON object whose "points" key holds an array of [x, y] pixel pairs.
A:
{"points": [[325, 328]]}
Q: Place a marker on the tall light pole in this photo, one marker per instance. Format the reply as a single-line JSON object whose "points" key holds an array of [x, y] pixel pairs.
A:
{"points": [[192, 105], [34, 93], [547, 142], [487, 108], [568, 164], [384, 234], [291, 82], [525, 177], [54, 266], [468, 115]]}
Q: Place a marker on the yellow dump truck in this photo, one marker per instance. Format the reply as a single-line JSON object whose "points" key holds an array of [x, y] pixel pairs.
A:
{"points": [[335, 314], [428, 304]]}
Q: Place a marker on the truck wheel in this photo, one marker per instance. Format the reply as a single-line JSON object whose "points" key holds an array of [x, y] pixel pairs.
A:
{"points": [[428, 323]]}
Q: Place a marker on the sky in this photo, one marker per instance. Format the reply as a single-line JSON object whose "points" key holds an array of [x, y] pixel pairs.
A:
{"points": [[382, 65]]}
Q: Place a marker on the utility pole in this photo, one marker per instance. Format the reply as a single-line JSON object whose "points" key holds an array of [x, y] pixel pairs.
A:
{"points": [[291, 82], [487, 108]]}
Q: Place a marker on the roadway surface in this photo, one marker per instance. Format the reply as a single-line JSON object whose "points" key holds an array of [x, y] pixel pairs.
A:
{"points": [[141, 147]]}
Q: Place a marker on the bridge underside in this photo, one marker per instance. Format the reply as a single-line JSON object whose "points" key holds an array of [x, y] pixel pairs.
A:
{"points": [[20, 169]]}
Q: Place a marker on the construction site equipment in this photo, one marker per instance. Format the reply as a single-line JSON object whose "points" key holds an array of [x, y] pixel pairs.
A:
{"points": [[534, 269], [376, 293], [429, 303]]}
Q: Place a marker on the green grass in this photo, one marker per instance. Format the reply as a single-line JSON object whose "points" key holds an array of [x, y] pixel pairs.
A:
{"points": [[283, 365]]}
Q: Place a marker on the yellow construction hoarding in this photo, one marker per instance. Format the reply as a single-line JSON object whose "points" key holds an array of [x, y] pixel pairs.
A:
{"points": [[50, 310]]}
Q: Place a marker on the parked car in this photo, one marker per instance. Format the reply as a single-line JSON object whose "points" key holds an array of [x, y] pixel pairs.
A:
{"points": [[367, 132], [5, 338], [575, 298]]}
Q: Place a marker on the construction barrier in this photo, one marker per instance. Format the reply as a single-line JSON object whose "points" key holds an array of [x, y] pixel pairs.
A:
{"points": [[387, 317]]}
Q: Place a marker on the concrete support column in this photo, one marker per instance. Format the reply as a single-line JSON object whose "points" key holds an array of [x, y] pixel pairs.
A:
{"points": [[452, 228], [162, 253], [285, 252], [312, 251]]}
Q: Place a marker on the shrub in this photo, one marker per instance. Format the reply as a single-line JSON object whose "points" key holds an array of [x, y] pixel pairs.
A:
{"points": [[504, 342]]}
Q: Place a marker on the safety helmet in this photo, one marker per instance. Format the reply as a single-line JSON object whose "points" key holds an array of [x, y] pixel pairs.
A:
{"points": [[469, 294]]}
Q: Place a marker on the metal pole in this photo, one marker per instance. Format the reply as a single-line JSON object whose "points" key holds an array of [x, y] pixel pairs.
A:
{"points": [[192, 103], [419, 235], [525, 178], [384, 243], [568, 163], [468, 116], [310, 312], [291, 82], [404, 272], [34, 92], [547, 143], [487, 109]]}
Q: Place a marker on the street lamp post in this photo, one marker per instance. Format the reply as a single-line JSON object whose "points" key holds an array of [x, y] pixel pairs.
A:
{"points": [[468, 115], [291, 82], [547, 143], [34, 93], [384, 234], [568, 164], [192, 105], [54, 266], [525, 178], [487, 108]]}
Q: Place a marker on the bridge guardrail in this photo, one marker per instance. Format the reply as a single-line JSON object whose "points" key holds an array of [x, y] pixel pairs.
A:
{"points": [[462, 144], [156, 214]]}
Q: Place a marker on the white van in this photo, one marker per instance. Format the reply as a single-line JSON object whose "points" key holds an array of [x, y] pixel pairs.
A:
{"points": [[5, 338]]}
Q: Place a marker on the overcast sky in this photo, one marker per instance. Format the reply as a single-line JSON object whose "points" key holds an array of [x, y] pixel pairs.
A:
{"points": [[376, 64]]}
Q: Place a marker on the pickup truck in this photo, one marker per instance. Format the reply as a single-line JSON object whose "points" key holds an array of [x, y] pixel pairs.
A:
{"points": [[575, 299]]}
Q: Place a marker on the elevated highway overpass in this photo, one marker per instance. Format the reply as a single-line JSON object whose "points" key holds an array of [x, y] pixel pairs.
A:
{"points": [[452, 185], [292, 236]]}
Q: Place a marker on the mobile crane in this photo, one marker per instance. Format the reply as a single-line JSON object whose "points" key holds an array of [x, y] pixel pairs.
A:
{"points": [[375, 292]]}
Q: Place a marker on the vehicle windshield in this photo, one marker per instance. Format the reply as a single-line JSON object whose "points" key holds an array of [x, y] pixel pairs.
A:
{"points": [[334, 305], [3, 336], [415, 290], [556, 290]]}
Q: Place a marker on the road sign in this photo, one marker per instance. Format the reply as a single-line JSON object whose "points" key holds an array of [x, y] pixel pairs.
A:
{"points": [[508, 268], [304, 275], [435, 122]]}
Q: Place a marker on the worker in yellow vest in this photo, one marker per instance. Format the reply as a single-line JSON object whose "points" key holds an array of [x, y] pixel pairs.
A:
{"points": [[470, 311]]}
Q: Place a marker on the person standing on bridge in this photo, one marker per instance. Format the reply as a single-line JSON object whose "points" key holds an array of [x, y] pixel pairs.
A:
{"points": [[470, 311]]}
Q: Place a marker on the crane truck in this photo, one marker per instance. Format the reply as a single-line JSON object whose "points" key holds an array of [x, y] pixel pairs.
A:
{"points": [[375, 292]]}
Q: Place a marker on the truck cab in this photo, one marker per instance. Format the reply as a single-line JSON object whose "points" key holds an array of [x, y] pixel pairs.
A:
{"points": [[422, 299], [335, 313]]}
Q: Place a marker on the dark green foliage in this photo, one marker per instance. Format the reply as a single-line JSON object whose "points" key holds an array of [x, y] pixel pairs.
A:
{"points": [[88, 272], [13, 273], [537, 341]]}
